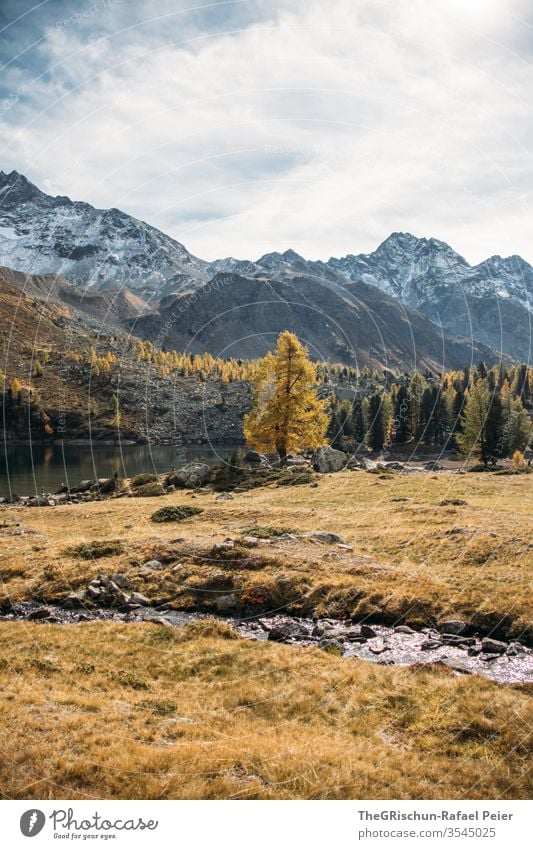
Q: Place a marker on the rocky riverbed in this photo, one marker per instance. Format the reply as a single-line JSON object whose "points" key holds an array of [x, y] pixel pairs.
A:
{"points": [[505, 663]]}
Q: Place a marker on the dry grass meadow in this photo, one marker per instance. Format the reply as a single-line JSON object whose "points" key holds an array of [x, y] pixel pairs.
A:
{"points": [[416, 556], [147, 711]]}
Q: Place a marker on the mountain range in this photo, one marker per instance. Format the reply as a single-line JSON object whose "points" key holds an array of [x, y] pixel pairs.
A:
{"points": [[412, 303]]}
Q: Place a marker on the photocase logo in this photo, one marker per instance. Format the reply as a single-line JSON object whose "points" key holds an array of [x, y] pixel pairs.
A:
{"points": [[32, 822]]}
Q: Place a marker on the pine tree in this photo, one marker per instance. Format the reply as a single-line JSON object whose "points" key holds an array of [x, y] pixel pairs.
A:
{"points": [[473, 436], [361, 421], [380, 415], [287, 414], [402, 416]]}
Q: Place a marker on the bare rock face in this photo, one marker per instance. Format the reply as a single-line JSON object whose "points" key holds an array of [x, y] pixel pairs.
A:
{"points": [[327, 460]]}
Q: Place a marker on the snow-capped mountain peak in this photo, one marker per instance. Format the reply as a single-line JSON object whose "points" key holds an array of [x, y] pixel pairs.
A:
{"points": [[42, 234]]}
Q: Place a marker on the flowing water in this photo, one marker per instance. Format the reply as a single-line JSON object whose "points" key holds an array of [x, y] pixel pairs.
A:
{"points": [[388, 646]]}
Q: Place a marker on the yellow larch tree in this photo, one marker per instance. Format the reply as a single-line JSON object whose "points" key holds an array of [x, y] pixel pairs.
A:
{"points": [[287, 414]]}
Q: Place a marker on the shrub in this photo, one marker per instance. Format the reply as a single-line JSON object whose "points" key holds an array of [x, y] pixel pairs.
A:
{"points": [[160, 708], [175, 514], [295, 476], [95, 549], [518, 461], [141, 480], [133, 680], [148, 490], [267, 532]]}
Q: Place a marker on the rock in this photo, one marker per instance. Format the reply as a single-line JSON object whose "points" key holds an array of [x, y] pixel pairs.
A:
{"points": [[40, 613], [121, 581], [250, 542], [83, 486], [453, 626], [74, 600], [330, 644], [367, 632], [404, 629], [514, 649], [224, 496], [395, 466], [379, 648], [157, 620], [191, 475], [225, 603], [94, 592], [255, 457], [452, 502], [152, 564], [138, 598], [223, 546], [368, 464], [490, 646], [121, 598], [296, 460], [282, 631], [342, 546], [38, 501], [327, 460], [457, 640], [428, 645], [324, 537], [353, 635], [433, 466]]}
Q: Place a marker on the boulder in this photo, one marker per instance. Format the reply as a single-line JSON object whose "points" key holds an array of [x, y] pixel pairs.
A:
{"points": [[255, 457], [368, 632], [433, 466], [286, 630], [138, 598], [225, 603], [74, 600], [404, 629], [189, 476], [325, 537], [120, 580], [152, 564], [490, 646], [40, 613], [38, 501], [453, 626], [327, 460], [515, 649], [224, 496], [83, 486]]}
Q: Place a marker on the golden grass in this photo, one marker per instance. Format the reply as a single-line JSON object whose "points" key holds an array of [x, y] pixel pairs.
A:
{"points": [[143, 711], [412, 559]]}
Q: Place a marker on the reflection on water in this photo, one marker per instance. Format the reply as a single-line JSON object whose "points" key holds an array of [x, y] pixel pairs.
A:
{"points": [[32, 469]]}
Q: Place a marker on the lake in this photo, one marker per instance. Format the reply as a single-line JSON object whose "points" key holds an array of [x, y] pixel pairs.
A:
{"points": [[32, 469]]}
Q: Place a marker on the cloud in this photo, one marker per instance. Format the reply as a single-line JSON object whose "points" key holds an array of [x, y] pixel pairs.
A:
{"points": [[242, 127]]}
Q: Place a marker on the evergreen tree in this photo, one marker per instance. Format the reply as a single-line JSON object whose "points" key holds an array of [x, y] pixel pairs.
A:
{"points": [[473, 436], [379, 421], [402, 416], [360, 429]]}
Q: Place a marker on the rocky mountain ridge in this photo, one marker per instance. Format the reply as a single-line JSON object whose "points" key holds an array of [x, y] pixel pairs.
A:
{"points": [[103, 251]]}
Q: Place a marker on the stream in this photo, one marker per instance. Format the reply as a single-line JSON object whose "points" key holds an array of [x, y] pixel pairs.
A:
{"points": [[510, 663]]}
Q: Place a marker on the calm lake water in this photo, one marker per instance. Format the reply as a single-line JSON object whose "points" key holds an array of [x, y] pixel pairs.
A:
{"points": [[32, 469]]}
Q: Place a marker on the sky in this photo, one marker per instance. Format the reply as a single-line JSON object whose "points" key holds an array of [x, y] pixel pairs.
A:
{"points": [[248, 126]]}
